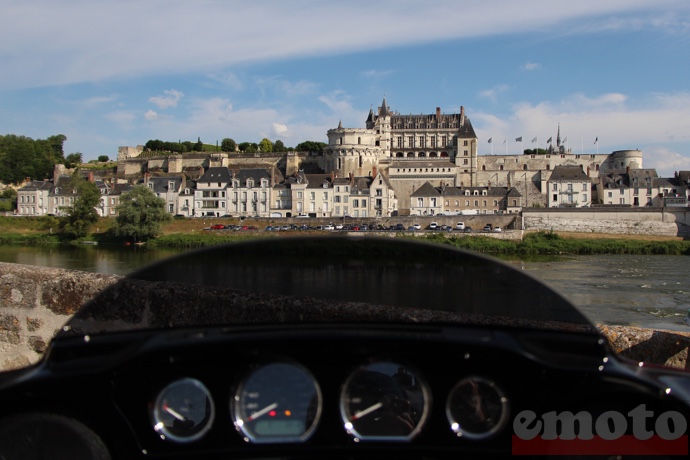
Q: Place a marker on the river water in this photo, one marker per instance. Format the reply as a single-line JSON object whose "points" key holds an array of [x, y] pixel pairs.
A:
{"points": [[645, 291]]}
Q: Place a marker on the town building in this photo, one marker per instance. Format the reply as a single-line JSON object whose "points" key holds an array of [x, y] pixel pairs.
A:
{"points": [[569, 187]]}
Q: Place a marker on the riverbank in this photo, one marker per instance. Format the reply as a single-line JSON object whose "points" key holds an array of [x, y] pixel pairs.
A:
{"points": [[195, 233]]}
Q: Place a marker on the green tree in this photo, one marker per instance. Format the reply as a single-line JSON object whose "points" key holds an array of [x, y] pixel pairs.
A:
{"points": [[310, 146], [22, 157], [278, 146], [74, 159], [199, 146], [228, 145], [140, 214], [247, 147], [82, 215], [103, 158], [266, 145]]}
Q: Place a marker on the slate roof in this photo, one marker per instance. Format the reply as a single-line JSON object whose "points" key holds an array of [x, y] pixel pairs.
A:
{"points": [[569, 173], [216, 174], [36, 185], [426, 190]]}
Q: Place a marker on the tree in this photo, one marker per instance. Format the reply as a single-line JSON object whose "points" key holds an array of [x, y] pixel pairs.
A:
{"points": [[228, 145], [310, 146], [73, 159], [278, 146], [140, 214], [246, 147], [82, 215], [22, 157], [199, 146], [266, 145], [103, 158]]}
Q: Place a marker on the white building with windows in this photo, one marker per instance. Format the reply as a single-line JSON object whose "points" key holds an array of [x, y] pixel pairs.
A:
{"points": [[33, 199], [569, 186]]}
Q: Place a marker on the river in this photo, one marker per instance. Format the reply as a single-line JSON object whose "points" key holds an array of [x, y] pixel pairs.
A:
{"points": [[645, 291]]}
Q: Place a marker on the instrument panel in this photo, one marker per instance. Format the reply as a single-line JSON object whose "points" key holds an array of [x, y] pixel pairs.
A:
{"points": [[320, 391], [335, 388]]}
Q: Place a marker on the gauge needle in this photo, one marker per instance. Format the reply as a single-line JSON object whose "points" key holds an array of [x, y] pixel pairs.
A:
{"points": [[366, 411], [258, 414], [174, 413]]}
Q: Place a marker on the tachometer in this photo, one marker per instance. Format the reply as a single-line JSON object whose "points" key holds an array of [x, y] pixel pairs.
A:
{"points": [[183, 411], [384, 401], [278, 402]]}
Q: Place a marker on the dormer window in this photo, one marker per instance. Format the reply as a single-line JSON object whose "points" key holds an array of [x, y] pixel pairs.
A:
{"points": [[186, 191], [250, 183], [171, 185], [150, 184]]}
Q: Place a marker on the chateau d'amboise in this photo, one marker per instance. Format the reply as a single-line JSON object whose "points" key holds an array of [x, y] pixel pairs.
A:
{"points": [[394, 166]]}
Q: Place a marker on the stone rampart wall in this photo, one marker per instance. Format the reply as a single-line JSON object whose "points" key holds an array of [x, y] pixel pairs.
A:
{"points": [[633, 221], [35, 302]]}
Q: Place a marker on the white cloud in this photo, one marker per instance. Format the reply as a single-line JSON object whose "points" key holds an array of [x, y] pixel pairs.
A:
{"points": [[280, 130], [170, 99], [531, 66], [37, 50], [121, 117], [492, 93], [151, 115]]}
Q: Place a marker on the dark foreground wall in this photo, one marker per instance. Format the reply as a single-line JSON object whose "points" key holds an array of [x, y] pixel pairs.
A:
{"points": [[36, 302]]}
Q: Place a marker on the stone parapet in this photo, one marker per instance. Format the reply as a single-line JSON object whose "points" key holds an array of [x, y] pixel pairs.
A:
{"points": [[36, 302]]}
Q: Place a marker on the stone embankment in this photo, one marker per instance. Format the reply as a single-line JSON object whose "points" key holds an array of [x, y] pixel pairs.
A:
{"points": [[36, 302]]}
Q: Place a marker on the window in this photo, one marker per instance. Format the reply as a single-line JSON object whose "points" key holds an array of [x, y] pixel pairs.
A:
{"points": [[420, 202], [584, 187], [336, 199], [610, 194], [379, 192], [410, 141], [622, 192], [421, 141], [465, 143], [444, 141], [570, 187], [325, 195], [400, 142], [299, 195], [355, 203], [584, 197], [464, 161]]}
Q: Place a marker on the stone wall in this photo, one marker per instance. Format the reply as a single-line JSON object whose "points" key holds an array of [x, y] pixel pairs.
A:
{"points": [[35, 302], [629, 221]]}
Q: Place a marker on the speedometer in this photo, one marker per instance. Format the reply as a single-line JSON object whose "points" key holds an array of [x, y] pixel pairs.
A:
{"points": [[277, 402]]}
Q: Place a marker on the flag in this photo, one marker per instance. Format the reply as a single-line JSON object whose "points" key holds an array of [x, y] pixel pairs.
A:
{"points": [[534, 140], [596, 140], [490, 140], [550, 139], [518, 139], [565, 139]]}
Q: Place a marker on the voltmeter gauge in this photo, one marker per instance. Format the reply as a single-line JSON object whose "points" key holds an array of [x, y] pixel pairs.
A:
{"points": [[476, 408], [277, 402], [183, 411]]}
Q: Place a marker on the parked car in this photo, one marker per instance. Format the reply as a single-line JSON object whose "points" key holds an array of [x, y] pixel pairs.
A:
{"points": [[339, 226], [217, 227], [269, 228], [460, 226], [329, 227], [468, 229], [416, 227], [498, 229], [399, 227], [433, 226], [488, 228]]}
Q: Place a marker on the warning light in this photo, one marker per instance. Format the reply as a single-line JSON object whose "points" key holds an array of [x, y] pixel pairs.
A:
{"points": [[272, 413], [288, 413]]}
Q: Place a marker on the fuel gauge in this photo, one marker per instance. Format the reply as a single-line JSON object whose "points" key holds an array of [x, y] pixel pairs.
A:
{"points": [[183, 411]]}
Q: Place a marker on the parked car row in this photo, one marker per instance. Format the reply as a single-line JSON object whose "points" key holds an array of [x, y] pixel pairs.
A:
{"points": [[232, 227], [459, 227]]}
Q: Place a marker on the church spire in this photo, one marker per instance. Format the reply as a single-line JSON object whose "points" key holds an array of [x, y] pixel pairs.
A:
{"points": [[340, 124], [558, 137]]}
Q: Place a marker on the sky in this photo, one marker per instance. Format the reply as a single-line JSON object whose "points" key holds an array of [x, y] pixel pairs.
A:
{"points": [[613, 74]]}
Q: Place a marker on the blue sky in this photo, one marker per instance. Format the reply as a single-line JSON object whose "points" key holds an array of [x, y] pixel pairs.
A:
{"points": [[108, 74]]}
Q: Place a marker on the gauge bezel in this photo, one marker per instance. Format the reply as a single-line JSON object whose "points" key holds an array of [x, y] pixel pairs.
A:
{"points": [[347, 416], [158, 423], [500, 424], [237, 402]]}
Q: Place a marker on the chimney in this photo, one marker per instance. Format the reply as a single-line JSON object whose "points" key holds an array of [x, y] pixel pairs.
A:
{"points": [[332, 176], [462, 115], [374, 171], [438, 112], [489, 185], [352, 179]]}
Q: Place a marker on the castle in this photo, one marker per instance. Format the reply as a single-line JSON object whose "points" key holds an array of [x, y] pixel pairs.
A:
{"points": [[380, 167]]}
